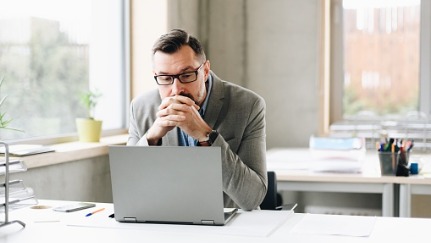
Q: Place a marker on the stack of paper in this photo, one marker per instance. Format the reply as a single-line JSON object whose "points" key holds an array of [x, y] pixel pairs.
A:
{"points": [[337, 154]]}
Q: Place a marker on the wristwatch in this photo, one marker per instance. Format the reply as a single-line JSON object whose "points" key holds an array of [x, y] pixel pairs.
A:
{"points": [[211, 137]]}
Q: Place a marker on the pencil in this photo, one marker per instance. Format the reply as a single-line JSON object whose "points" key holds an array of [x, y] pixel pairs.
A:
{"points": [[98, 210]]}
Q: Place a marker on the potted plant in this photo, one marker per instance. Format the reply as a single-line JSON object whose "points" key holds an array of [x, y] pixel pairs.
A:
{"points": [[89, 129]]}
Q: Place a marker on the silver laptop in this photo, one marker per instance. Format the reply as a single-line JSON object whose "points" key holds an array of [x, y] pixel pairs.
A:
{"points": [[161, 184]]}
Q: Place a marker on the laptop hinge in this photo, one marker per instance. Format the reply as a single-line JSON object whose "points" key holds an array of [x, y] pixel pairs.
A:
{"points": [[209, 222], [130, 219]]}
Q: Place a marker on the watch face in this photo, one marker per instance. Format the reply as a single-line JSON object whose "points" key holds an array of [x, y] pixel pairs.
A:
{"points": [[213, 136]]}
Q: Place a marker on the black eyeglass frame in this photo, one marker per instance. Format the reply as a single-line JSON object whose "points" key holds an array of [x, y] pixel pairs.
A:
{"points": [[178, 76]]}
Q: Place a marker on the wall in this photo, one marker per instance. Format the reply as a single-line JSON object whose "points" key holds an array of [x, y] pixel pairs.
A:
{"points": [[283, 67], [142, 39]]}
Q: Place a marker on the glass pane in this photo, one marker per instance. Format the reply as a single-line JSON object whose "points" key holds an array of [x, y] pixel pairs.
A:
{"points": [[44, 46], [381, 57]]}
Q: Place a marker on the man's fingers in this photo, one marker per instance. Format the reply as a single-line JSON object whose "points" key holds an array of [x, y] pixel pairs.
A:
{"points": [[178, 99], [171, 120]]}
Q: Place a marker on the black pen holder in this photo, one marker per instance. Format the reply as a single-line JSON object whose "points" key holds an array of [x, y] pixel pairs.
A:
{"points": [[394, 163]]}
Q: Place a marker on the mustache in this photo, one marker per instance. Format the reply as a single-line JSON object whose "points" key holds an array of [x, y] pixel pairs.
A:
{"points": [[188, 96]]}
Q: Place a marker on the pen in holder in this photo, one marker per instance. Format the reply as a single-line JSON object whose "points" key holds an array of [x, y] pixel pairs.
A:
{"points": [[394, 156]]}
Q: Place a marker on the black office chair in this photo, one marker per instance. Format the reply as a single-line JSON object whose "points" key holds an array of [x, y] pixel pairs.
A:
{"points": [[273, 199]]}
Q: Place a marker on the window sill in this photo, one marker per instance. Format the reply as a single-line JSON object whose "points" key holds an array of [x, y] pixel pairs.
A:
{"points": [[66, 152]]}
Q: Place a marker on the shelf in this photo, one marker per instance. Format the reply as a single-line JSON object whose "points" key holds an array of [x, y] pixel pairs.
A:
{"points": [[13, 194], [14, 166], [17, 203]]}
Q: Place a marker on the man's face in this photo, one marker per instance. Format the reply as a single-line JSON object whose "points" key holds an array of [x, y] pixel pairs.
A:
{"points": [[184, 60]]}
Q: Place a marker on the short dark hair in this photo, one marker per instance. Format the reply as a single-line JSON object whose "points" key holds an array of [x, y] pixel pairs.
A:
{"points": [[175, 39]]}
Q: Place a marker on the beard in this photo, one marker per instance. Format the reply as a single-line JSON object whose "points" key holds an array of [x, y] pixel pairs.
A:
{"points": [[190, 96]]}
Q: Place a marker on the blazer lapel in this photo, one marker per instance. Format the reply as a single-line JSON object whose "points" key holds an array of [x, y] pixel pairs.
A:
{"points": [[215, 103]]}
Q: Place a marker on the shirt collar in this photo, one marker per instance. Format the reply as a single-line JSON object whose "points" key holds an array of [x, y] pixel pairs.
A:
{"points": [[208, 85]]}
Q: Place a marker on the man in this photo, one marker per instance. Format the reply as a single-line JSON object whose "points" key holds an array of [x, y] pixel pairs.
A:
{"points": [[193, 107]]}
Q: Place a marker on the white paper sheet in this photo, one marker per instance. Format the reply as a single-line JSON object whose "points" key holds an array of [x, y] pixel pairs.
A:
{"points": [[357, 226], [258, 223]]}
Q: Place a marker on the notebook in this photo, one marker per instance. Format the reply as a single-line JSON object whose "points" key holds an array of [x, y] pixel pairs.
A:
{"points": [[162, 184]]}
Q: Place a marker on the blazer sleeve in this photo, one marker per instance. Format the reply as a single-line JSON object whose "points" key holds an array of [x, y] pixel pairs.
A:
{"points": [[142, 115], [244, 167]]}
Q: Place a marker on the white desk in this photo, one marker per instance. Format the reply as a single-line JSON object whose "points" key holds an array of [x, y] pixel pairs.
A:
{"points": [[57, 228], [292, 176]]}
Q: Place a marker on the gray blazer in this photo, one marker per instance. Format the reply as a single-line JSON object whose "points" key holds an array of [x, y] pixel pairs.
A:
{"points": [[238, 115]]}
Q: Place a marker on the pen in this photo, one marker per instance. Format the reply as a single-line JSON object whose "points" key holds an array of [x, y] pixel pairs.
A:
{"points": [[410, 146], [98, 210]]}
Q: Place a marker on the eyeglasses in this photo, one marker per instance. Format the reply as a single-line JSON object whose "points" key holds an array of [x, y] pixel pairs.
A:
{"points": [[186, 77]]}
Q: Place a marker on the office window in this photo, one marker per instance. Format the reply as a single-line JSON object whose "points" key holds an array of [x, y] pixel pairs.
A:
{"points": [[50, 52], [378, 66]]}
